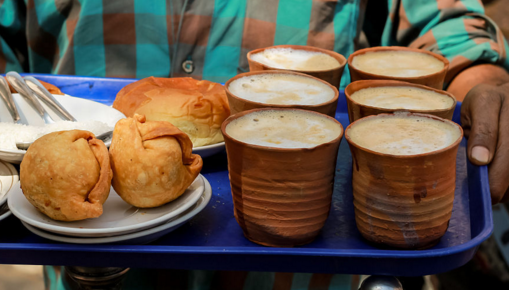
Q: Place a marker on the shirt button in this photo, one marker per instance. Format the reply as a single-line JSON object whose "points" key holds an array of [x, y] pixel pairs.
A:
{"points": [[188, 66]]}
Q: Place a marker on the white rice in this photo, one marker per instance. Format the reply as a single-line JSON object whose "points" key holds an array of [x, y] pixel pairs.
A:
{"points": [[11, 133]]}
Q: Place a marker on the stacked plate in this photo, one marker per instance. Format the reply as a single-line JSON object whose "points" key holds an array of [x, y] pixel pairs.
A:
{"points": [[82, 110], [120, 222], [8, 178]]}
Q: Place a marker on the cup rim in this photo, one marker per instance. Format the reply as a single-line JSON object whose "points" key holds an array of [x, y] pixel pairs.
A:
{"points": [[396, 48], [339, 57], [290, 106], [412, 156], [278, 149], [395, 83]]}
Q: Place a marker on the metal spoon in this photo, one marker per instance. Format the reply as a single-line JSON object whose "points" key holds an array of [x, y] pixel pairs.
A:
{"points": [[103, 137], [48, 98], [17, 82], [5, 94]]}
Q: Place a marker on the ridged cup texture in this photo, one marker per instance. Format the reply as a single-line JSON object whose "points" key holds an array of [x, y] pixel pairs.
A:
{"points": [[403, 201], [281, 197]]}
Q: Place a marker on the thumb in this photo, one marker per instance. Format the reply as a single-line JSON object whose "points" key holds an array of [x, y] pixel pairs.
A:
{"points": [[481, 121], [480, 155]]}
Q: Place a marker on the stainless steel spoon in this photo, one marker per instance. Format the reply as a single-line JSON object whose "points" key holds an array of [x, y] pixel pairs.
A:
{"points": [[21, 87], [48, 98], [103, 137], [5, 94]]}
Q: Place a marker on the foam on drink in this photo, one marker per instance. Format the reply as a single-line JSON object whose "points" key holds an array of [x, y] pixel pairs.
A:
{"points": [[403, 134], [397, 63], [281, 89], [296, 59], [409, 98], [284, 129]]}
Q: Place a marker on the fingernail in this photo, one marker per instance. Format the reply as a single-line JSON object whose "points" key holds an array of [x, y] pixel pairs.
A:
{"points": [[481, 154]]}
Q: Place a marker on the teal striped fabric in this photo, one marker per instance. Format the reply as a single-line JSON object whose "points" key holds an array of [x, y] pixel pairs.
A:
{"points": [[152, 49], [149, 279], [459, 30], [301, 281], [292, 28], [209, 39], [344, 30], [223, 49]]}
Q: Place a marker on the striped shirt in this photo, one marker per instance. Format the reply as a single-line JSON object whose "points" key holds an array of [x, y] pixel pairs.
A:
{"points": [[209, 39], [150, 279]]}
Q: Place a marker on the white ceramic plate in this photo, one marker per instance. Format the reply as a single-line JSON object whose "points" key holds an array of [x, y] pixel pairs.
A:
{"points": [[141, 237], [118, 217], [8, 177], [209, 150], [81, 109]]}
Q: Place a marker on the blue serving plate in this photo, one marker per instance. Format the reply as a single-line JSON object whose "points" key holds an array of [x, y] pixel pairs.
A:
{"points": [[213, 240]]}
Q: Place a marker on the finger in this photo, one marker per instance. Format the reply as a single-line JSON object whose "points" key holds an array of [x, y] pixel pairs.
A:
{"points": [[483, 113], [505, 199], [469, 103], [499, 169]]}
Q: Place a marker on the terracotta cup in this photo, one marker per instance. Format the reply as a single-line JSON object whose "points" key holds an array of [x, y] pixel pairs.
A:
{"points": [[357, 110], [281, 196], [434, 80], [332, 76], [239, 104], [403, 201]]}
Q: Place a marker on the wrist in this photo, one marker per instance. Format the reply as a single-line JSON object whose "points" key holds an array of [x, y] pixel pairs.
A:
{"points": [[479, 74]]}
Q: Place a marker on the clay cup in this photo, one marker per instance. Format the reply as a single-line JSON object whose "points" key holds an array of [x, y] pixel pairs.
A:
{"points": [[332, 76], [357, 110], [403, 201], [281, 196], [434, 80], [239, 104]]}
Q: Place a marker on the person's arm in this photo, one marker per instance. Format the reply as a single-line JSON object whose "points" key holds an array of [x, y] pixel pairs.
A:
{"points": [[485, 122], [477, 53], [484, 90], [458, 30], [470, 77], [13, 42]]}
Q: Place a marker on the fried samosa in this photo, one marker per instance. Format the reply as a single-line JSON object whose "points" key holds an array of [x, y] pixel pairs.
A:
{"points": [[152, 161], [66, 175]]}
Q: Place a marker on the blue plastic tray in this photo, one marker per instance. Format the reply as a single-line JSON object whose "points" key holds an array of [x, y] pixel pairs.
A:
{"points": [[213, 240]]}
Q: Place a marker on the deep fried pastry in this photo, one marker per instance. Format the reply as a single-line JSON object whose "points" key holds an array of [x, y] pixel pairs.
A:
{"points": [[66, 175], [152, 162]]}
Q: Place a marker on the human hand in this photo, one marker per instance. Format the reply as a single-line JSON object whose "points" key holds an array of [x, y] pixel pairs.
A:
{"points": [[485, 121]]}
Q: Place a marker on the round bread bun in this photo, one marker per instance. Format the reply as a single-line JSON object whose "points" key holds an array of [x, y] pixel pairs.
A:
{"points": [[198, 108]]}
